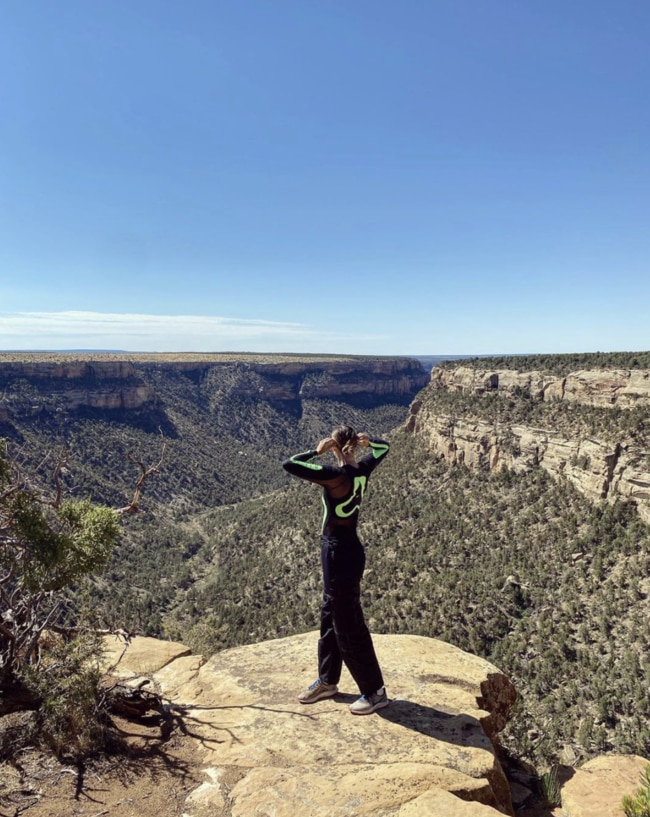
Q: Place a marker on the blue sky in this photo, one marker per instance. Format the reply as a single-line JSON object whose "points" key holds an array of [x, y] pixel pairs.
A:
{"points": [[422, 177]]}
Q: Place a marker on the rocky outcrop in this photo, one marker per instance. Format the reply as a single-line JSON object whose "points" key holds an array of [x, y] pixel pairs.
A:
{"points": [[430, 751], [601, 470], [597, 788], [594, 387]]}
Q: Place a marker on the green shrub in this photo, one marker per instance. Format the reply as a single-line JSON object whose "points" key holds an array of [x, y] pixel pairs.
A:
{"points": [[66, 686], [549, 786], [639, 804]]}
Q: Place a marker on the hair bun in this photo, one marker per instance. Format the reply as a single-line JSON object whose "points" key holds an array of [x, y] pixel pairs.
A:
{"points": [[346, 438]]}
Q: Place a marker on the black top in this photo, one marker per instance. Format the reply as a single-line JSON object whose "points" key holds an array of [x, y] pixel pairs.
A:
{"points": [[343, 486]]}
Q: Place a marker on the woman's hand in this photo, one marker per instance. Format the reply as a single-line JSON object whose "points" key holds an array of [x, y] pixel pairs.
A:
{"points": [[324, 446], [363, 438]]}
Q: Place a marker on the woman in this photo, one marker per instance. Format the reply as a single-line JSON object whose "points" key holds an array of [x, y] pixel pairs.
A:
{"points": [[344, 636]]}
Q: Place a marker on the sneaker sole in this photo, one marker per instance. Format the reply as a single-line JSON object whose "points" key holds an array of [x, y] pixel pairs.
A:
{"points": [[321, 697], [380, 705]]}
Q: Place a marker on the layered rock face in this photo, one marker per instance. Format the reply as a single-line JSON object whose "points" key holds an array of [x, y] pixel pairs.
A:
{"points": [[329, 379], [429, 752], [616, 387], [599, 469], [129, 385], [76, 384]]}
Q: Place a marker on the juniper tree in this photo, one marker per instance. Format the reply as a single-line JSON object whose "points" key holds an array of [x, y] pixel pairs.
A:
{"points": [[47, 544]]}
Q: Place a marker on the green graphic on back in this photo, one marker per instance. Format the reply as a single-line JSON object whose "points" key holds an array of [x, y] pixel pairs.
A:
{"points": [[344, 510]]}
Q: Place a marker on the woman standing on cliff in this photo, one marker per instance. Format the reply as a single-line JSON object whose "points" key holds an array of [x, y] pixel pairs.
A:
{"points": [[344, 636]]}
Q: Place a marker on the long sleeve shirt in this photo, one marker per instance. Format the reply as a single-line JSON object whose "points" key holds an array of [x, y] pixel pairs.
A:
{"points": [[343, 486]]}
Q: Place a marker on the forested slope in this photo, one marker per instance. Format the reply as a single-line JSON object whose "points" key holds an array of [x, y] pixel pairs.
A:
{"points": [[558, 364], [226, 422]]}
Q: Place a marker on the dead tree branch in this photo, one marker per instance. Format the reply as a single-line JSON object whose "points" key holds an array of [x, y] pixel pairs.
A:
{"points": [[145, 473], [61, 462]]}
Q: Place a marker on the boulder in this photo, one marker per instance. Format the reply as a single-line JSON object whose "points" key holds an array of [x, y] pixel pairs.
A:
{"points": [[597, 788]]}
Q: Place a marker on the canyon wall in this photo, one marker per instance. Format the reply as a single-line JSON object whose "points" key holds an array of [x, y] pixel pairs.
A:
{"points": [[76, 384], [131, 384], [601, 469], [594, 387]]}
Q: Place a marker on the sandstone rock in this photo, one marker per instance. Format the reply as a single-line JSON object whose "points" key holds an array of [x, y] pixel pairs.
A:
{"points": [[339, 379], [620, 387], [439, 803], [597, 788], [593, 387], [69, 370], [282, 758], [126, 397], [141, 657], [600, 470]]}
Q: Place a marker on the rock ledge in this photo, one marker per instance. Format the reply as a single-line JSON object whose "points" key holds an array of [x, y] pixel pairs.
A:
{"points": [[263, 753]]}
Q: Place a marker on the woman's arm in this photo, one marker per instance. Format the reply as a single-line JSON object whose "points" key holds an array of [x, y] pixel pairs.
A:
{"points": [[302, 465], [378, 449]]}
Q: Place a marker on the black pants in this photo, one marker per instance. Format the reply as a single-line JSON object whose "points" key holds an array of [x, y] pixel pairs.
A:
{"points": [[344, 636]]}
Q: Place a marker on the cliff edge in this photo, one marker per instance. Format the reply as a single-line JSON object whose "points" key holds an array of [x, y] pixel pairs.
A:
{"points": [[430, 752]]}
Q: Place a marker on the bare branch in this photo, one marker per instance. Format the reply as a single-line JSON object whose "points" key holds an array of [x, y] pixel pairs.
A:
{"points": [[9, 576], [145, 473], [61, 462], [36, 630]]}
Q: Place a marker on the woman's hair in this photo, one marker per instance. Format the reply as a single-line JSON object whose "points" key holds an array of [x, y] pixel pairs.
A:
{"points": [[345, 438]]}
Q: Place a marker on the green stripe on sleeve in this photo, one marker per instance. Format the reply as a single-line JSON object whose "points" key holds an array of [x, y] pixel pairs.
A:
{"points": [[314, 466], [379, 449]]}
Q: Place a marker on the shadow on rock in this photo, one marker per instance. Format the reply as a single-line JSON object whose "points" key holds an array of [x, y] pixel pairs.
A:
{"points": [[459, 729]]}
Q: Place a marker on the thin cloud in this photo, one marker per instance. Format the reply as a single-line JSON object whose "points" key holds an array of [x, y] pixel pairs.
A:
{"points": [[163, 333]]}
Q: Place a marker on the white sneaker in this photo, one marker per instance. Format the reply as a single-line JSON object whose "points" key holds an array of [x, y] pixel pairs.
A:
{"points": [[367, 704]]}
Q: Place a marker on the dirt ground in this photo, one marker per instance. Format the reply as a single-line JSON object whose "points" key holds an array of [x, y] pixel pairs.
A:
{"points": [[151, 779]]}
